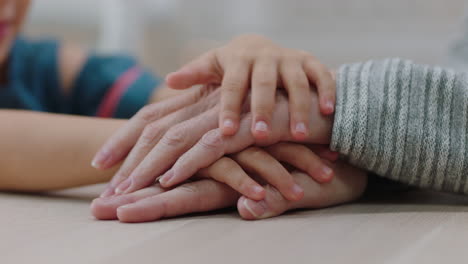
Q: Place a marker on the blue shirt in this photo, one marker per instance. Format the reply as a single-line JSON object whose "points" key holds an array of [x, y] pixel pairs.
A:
{"points": [[107, 86]]}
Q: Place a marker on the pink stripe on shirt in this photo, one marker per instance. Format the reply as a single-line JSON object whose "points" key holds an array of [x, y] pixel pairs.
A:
{"points": [[112, 98]]}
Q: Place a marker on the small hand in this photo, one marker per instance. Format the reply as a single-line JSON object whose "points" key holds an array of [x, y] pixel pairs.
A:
{"points": [[255, 61]]}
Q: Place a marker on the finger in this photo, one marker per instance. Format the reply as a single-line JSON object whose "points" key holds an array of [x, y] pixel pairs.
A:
{"points": [[119, 144], [264, 82], [264, 165], [150, 136], [106, 208], [297, 85], [213, 145], [199, 196], [321, 77], [303, 159], [347, 186], [171, 146], [324, 152], [234, 88], [202, 70], [227, 171]]}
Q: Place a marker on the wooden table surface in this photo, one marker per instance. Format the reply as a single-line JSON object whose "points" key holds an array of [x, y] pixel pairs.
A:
{"points": [[415, 227]]}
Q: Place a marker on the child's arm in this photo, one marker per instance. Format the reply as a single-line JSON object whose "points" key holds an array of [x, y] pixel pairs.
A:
{"points": [[42, 152], [102, 85]]}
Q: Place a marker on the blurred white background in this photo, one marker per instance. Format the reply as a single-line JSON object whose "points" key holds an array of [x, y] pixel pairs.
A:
{"points": [[160, 32]]}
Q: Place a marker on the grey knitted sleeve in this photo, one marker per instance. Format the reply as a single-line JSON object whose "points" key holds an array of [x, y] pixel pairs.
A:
{"points": [[404, 122]]}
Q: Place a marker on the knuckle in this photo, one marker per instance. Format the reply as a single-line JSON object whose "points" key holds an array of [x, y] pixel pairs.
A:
{"points": [[265, 82], [242, 55], [149, 113], [300, 82], [150, 132], [174, 137], [213, 139], [190, 188], [165, 205], [292, 55], [231, 87], [276, 200], [269, 53], [226, 164]]}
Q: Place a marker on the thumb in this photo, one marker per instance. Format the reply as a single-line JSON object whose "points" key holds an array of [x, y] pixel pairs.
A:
{"points": [[203, 70]]}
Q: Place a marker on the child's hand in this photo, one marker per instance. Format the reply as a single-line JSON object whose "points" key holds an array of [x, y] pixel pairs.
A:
{"points": [[254, 61], [266, 164]]}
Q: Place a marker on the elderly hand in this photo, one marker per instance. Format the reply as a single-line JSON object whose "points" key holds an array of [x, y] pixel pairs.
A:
{"points": [[155, 202], [157, 138]]}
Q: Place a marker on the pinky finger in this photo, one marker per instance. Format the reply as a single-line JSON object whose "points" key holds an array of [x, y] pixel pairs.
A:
{"points": [[303, 159]]}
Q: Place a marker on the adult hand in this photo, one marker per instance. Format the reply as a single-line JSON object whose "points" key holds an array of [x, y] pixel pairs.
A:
{"points": [[155, 202], [141, 133], [159, 147]]}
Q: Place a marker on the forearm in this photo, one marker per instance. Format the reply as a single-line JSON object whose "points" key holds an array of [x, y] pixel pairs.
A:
{"points": [[405, 122], [46, 151]]}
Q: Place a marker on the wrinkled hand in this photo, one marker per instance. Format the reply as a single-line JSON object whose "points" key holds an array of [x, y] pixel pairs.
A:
{"points": [[161, 141], [155, 202]]}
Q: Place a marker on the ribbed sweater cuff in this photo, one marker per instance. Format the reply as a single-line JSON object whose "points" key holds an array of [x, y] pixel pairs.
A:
{"points": [[405, 122]]}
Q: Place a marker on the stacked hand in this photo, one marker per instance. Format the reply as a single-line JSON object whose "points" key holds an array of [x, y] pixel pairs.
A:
{"points": [[180, 138]]}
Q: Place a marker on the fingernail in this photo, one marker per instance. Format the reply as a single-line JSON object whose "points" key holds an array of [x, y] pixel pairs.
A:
{"points": [[257, 189], [124, 206], [228, 123], [107, 193], [166, 177], [257, 209], [297, 189], [330, 106], [101, 159], [123, 186], [327, 172], [261, 126], [301, 128]]}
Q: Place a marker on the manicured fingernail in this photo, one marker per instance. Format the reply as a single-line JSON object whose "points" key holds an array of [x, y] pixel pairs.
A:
{"points": [[228, 123], [261, 126], [301, 128], [297, 189], [166, 177], [257, 209], [123, 186], [101, 159], [327, 172]]}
